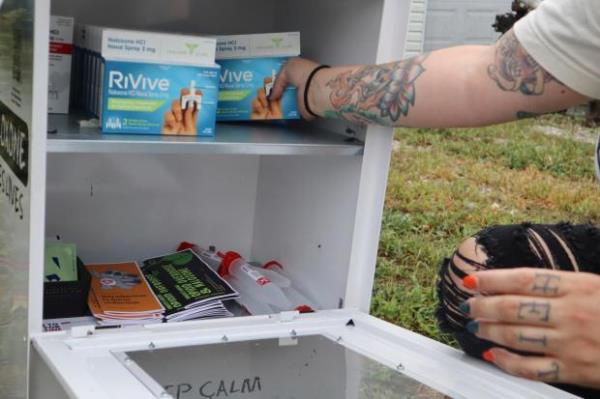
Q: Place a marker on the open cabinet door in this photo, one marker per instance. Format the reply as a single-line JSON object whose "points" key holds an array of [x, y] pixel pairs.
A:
{"points": [[22, 160], [332, 354]]}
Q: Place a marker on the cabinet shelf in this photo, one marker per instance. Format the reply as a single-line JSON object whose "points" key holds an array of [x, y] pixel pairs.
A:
{"points": [[294, 138]]}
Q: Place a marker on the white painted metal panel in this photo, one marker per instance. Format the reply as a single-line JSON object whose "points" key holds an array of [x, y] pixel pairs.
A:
{"points": [[23, 90], [38, 163], [456, 22], [43, 383], [291, 138], [83, 366], [304, 219], [135, 206], [373, 176], [335, 32], [185, 16]]}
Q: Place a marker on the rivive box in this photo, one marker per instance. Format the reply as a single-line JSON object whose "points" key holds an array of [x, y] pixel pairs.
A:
{"points": [[149, 83], [249, 66]]}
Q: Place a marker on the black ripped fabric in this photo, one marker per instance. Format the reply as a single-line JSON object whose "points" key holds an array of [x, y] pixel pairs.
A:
{"points": [[511, 246]]}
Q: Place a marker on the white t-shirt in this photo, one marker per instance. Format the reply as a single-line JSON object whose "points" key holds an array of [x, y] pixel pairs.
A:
{"points": [[563, 36]]}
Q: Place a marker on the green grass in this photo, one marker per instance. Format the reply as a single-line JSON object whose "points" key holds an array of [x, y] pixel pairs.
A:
{"points": [[447, 184]]}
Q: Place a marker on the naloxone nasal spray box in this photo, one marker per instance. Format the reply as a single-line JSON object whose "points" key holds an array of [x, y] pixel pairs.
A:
{"points": [[249, 66], [59, 66], [148, 83], [159, 84]]}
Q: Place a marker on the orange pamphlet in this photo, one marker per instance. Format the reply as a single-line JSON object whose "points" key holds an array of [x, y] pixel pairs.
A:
{"points": [[121, 290]]}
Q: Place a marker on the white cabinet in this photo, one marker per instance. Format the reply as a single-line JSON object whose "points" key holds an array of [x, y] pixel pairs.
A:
{"points": [[309, 195], [340, 354]]}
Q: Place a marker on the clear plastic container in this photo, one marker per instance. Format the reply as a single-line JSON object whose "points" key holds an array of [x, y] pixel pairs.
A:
{"points": [[252, 282], [292, 291], [253, 305], [263, 290]]}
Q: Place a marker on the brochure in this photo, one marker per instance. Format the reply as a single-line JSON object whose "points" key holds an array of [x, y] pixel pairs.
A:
{"points": [[120, 294], [187, 287]]}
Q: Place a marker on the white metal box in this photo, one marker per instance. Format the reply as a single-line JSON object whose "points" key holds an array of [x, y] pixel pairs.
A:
{"points": [[309, 195]]}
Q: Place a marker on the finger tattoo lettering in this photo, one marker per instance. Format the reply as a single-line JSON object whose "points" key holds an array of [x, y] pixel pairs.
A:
{"points": [[551, 374], [539, 311], [546, 283], [541, 341]]}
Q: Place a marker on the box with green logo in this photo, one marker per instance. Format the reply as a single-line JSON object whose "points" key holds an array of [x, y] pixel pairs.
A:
{"points": [[146, 98], [158, 83], [249, 67], [140, 82]]}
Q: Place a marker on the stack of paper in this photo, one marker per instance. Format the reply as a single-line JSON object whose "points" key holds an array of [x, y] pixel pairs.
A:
{"points": [[119, 294], [187, 287]]}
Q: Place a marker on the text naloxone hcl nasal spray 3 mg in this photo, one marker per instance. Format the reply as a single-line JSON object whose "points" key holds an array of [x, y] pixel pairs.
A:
{"points": [[249, 67], [148, 83]]}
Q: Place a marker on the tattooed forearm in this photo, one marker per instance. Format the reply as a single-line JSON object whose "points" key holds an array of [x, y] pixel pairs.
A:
{"points": [[541, 341], [552, 374], [546, 283], [537, 311], [515, 70], [381, 93]]}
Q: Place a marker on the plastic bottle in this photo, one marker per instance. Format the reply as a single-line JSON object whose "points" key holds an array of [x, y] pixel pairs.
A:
{"points": [[214, 260], [277, 278], [247, 281], [253, 305], [210, 256], [250, 281], [299, 301]]}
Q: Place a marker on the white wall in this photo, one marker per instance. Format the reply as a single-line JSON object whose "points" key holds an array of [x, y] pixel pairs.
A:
{"points": [[455, 22]]}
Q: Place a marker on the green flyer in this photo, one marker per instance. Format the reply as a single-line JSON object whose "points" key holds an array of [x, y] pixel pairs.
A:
{"points": [[60, 262]]}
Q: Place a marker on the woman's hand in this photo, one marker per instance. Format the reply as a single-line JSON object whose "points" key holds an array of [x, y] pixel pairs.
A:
{"points": [[295, 73], [555, 315]]}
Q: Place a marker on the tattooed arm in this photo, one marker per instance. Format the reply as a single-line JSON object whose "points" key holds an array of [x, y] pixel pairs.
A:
{"points": [[459, 86]]}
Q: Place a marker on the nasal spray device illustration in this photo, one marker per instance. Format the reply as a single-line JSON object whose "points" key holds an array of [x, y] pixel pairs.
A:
{"points": [[194, 96], [142, 89], [270, 84]]}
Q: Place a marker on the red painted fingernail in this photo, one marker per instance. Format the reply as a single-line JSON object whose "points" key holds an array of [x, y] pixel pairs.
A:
{"points": [[489, 356], [470, 282]]}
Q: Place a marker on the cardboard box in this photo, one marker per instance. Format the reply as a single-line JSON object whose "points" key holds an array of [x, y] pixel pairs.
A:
{"points": [[148, 83], [249, 66], [145, 98], [60, 60]]}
